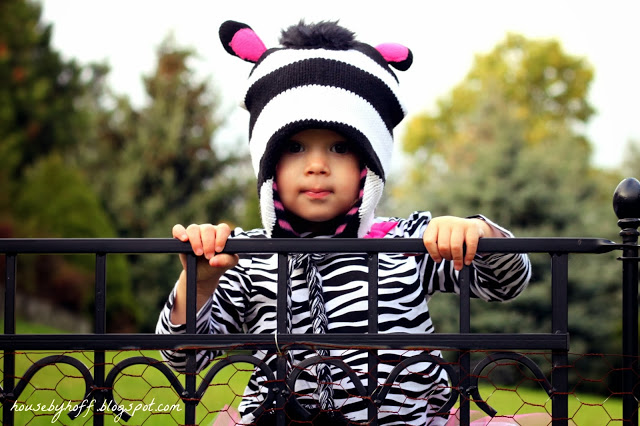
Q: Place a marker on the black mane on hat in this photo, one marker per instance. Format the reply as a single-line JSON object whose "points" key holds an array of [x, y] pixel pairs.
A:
{"points": [[324, 34]]}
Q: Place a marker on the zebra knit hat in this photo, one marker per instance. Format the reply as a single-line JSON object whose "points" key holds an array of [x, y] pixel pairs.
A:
{"points": [[320, 77]]}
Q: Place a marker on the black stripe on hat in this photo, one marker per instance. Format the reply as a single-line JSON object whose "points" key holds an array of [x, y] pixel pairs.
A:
{"points": [[325, 72]]}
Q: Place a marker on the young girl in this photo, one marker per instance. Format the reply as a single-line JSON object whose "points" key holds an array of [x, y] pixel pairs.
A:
{"points": [[322, 110]]}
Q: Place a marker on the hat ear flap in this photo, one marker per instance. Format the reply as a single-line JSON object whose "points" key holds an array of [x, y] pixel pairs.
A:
{"points": [[240, 40], [396, 55]]}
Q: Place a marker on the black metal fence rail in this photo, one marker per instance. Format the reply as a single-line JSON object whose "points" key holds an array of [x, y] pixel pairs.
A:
{"points": [[464, 381]]}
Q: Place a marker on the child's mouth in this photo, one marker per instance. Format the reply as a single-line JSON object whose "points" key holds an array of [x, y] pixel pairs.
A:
{"points": [[316, 193]]}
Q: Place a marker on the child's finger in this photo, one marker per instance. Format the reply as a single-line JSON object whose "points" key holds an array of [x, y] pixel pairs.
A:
{"points": [[222, 235], [456, 246], [223, 260], [472, 246], [193, 232], [208, 234], [430, 240], [179, 232], [444, 242]]}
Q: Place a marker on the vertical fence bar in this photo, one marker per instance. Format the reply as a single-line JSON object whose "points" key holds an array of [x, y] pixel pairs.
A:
{"points": [[630, 333], [281, 328], [464, 360], [626, 205], [629, 259], [100, 327], [190, 402], [372, 382], [559, 324], [8, 382]]}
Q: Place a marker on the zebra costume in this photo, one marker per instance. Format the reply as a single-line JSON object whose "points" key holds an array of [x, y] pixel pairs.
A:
{"points": [[245, 302], [323, 78]]}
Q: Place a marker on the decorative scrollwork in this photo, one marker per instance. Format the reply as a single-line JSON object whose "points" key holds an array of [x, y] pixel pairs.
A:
{"points": [[51, 360], [300, 367], [138, 360], [177, 386], [376, 399], [495, 357], [381, 393], [233, 359]]}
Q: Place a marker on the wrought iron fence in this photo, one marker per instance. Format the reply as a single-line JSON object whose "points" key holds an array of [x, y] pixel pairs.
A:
{"points": [[98, 392]]}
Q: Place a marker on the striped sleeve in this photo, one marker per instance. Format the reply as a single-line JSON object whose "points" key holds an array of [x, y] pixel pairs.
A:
{"points": [[494, 276], [223, 313], [177, 359], [500, 276]]}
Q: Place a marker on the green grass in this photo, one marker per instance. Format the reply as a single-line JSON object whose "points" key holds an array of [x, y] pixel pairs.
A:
{"points": [[584, 409], [140, 386], [137, 388]]}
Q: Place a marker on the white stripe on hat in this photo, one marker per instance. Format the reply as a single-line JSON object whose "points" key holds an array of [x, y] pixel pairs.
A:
{"points": [[321, 103], [284, 57]]}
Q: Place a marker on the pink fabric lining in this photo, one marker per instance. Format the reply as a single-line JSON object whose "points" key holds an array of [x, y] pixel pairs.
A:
{"points": [[379, 230], [247, 45], [286, 225], [228, 416], [393, 52], [479, 419]]}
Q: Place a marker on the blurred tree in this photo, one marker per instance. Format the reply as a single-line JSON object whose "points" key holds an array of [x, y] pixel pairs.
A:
{"points": [[156, 166], [57, 201], [37, 90], [507, 144], [545, 88], [41, 121]]}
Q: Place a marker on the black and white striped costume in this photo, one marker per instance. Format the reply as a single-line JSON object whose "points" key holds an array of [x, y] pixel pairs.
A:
{"points": [[245, 302], [323, 78]]}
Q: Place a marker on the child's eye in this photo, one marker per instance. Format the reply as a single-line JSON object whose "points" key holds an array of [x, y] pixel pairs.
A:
{"points": [[341, 148], [293, 147]]}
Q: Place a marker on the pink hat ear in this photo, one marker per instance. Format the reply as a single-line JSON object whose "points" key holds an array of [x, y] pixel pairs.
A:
{"points": [[240, 40], [397, 55]]}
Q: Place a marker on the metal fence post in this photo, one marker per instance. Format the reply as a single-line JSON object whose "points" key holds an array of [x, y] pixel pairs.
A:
{"points": [[189, 396], [100, 328], [9, 372], [560, 325], [626, 204]]}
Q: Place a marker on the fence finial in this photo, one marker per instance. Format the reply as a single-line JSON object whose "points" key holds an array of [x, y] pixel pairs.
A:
{"points": [[626, 199]]}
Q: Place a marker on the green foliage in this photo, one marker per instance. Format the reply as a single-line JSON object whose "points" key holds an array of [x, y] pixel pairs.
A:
{"points": [[55, 200], [41, 120], [78, 160], [505, 144], [543, 87], [155, 166], [67, 197], [37, 90]]}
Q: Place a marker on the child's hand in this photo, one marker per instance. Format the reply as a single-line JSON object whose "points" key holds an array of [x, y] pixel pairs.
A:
{"points": [[446, 236], [207, 241]]}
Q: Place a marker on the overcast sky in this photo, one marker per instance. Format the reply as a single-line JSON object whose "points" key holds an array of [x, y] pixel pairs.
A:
{"points": [[444, 36]]}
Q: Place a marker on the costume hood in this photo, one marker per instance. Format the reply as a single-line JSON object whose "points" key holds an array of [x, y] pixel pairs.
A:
{"points": [[320, 77]]}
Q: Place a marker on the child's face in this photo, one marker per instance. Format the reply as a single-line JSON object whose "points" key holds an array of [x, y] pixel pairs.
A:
{"points": [[318, 175]]}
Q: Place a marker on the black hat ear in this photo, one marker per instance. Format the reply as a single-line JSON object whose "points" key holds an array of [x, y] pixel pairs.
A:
{"points": [[396, 55], [240, 40]]}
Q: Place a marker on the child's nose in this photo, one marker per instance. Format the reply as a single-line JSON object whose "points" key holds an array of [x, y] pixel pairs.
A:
{"points": [[317, 164]]}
